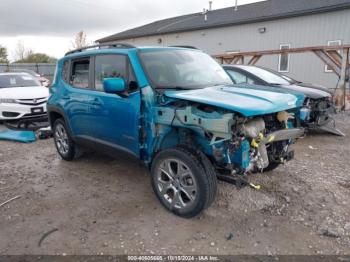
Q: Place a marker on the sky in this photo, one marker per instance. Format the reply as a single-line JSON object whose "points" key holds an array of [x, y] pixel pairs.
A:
{"points": [[49, 26]]}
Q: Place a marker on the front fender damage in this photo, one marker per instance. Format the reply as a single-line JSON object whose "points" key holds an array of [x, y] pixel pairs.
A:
{"points": [[235, 144]]}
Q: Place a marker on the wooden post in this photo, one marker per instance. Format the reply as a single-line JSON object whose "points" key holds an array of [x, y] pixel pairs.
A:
{"points": [[343, 77], [328, 61]]}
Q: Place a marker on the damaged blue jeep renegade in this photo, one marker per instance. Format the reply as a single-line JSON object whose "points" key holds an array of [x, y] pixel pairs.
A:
{"points": [[177, 111]]}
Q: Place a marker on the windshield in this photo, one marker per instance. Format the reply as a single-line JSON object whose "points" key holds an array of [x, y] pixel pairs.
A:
{"points": [[182, 69], [290, 80], [266, 76], [17, 80], [31, 72]]}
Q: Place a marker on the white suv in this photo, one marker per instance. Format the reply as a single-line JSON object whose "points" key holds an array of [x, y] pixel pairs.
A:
{"points": [[22, 97]]}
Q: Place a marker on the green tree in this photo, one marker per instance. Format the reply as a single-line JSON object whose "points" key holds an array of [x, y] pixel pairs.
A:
{"points": [[37, 58], [3, 55]]}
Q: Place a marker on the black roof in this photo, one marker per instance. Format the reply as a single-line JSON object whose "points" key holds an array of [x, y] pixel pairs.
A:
{"points": [[256, 12]]}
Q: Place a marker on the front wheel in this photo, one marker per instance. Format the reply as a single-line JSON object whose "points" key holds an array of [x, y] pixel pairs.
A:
{"points": [[65, 146], [183, 181]]}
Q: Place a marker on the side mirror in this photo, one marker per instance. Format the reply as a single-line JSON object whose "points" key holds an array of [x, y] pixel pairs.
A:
{"points": [[114, 85]]}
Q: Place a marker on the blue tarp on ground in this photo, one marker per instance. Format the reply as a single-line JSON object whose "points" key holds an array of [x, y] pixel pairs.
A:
{"points": [[18, 136]]}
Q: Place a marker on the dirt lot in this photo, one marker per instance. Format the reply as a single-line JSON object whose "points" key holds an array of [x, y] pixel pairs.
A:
{"points": [[103, 205]]}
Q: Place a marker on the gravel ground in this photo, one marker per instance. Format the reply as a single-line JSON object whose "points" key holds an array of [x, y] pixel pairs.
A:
{"points": [[100, 205]]}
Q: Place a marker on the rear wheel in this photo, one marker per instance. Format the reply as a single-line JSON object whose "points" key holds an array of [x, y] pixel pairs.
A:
{"points": [[65, 146], [182, 182]]}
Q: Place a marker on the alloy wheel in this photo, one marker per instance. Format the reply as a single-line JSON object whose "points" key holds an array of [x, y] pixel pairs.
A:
{"points": [[176, 183], [61, 139]]}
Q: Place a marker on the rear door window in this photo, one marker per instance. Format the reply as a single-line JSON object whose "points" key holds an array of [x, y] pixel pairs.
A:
{"points": [[240, 78], [80, 73]]}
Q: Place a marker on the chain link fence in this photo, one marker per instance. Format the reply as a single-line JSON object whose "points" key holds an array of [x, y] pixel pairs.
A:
{"points": [[43, 69]]}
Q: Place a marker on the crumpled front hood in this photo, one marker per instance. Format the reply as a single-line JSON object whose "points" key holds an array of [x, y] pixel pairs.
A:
{"points": [[295, 89], [247, 101]]}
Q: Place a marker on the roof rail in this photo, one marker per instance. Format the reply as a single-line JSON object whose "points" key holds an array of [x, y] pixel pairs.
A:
{"points": [[116, 45]]}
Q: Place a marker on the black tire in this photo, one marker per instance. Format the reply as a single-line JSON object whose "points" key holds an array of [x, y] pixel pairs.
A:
{"points": [[199, 173], [208, 166], [71, 149], [272, 165]]}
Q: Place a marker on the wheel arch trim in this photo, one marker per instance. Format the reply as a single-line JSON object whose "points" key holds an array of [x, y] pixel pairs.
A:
{"points": [[60, 111]]}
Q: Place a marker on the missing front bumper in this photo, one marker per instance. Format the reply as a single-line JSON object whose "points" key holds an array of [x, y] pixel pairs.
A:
{"points": [[30, 123]]}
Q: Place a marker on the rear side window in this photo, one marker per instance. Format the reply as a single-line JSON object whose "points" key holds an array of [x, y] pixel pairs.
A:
{"points": [[80, 73], [65, 71], [239, 78], [109, 66]]}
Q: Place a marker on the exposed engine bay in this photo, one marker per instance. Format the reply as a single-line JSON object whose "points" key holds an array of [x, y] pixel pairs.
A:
{"points": [[315, 112], [233, 142]]}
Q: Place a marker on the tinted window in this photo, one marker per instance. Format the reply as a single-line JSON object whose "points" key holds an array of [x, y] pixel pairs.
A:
{"points": [[80, 73], [17, 80], [267, 76], [109, 66], [239, 78]]}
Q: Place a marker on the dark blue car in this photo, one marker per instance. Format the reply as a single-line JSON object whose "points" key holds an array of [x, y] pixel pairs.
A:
{"points": [[318, 105]]}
